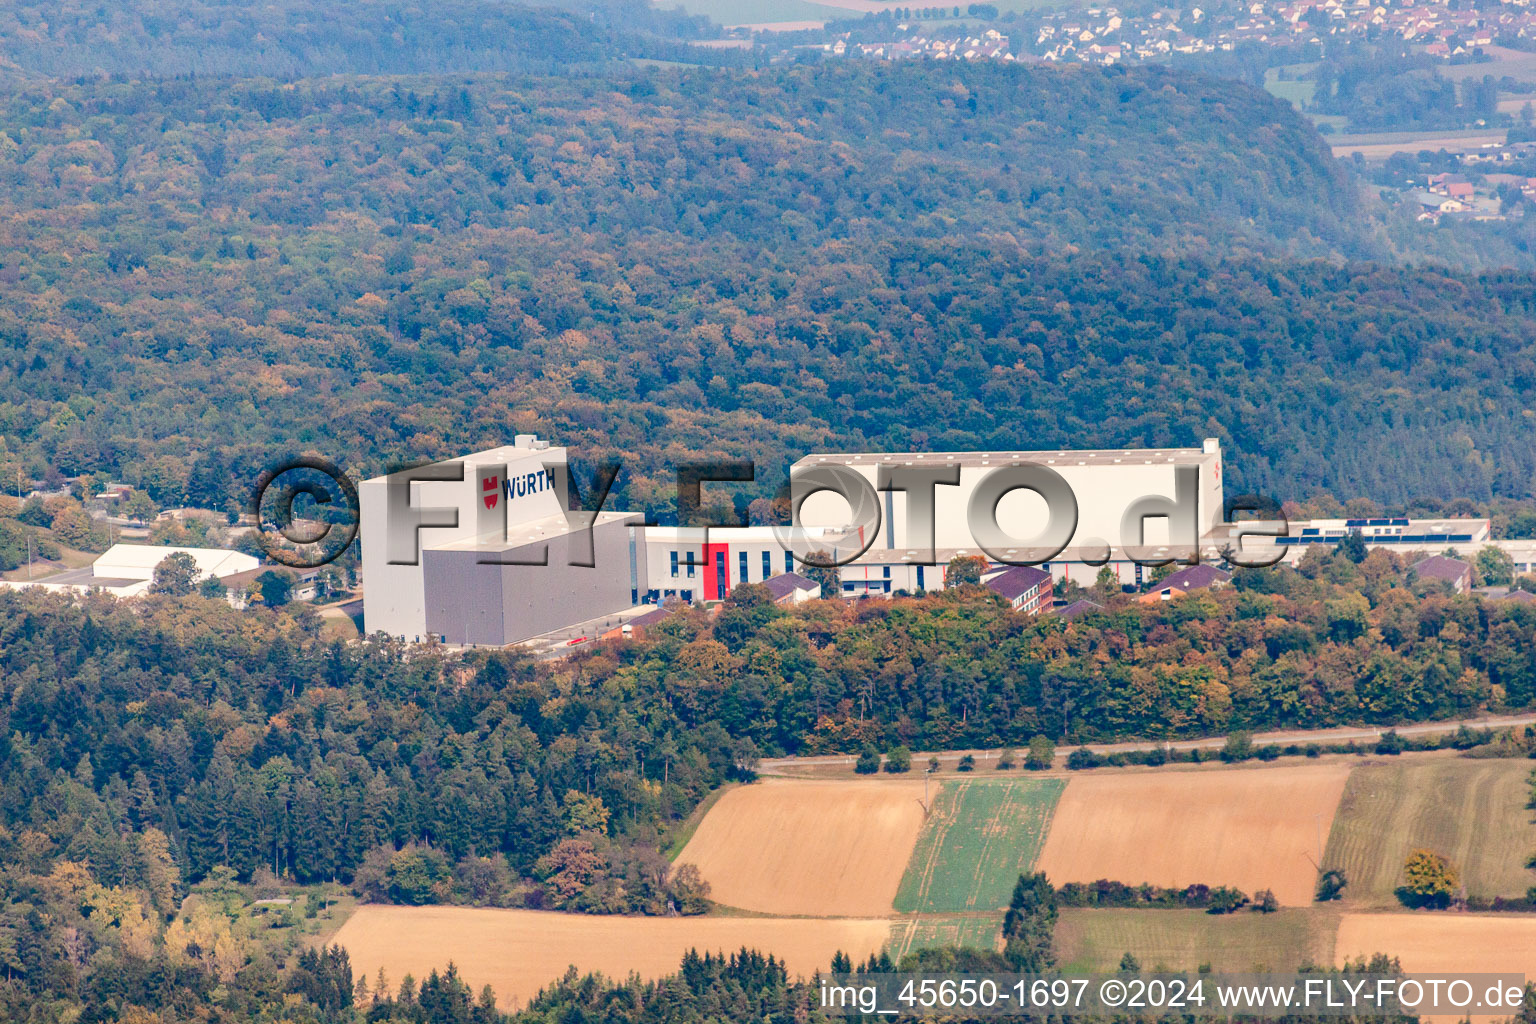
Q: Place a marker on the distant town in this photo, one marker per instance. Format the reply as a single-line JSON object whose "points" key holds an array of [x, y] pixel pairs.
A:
{"points": [[1105, 35]]}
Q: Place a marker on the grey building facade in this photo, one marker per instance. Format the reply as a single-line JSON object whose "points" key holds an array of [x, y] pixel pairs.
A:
{"points": [[494, 594]]}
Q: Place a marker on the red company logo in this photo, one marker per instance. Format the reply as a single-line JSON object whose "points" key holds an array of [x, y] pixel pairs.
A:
{"points": [[491, 485]]}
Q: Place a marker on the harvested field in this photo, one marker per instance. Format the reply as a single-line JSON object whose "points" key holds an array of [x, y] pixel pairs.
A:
{"points": [[975, 931], [1258, 828], [1472, 811], [1095, 940], [977, 840], [517, 952], [1429, 942], [833, 849], [1384, 144]]}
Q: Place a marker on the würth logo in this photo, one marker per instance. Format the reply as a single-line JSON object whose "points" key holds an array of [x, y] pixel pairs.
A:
{"points": [[491, 485]]}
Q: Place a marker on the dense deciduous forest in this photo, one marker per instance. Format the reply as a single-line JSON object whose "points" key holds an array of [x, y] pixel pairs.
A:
{"points": [[153, 746], [247, 742], [198, 275], [294, 38], [657, 263]]}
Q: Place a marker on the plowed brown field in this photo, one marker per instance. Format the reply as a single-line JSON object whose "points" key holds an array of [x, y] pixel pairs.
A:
{"points": [[835, 849], [1258, 828], [517, 952], [1442, 942]]}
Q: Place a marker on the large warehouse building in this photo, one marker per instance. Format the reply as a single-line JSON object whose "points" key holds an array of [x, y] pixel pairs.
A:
{"points": [[480, 551], [484, 553], [896, 552]]}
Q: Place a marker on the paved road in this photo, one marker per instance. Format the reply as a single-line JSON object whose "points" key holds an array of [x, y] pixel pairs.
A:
{"points": [[1338, 734]]}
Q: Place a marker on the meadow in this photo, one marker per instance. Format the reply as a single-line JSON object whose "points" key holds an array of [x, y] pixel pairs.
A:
{"points": [[972, 931], [1472, 811], [1095, 940], [979, 836]]}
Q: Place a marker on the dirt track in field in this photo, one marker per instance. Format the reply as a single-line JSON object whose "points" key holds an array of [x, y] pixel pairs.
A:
{"points": [[517, 952], [1254, 828], [832, 849]]}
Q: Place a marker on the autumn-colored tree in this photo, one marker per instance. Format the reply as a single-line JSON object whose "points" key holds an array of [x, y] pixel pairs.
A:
{"points": [[964, 569], [584, 813], [176, 575], [1428, 879], [570, 867]]}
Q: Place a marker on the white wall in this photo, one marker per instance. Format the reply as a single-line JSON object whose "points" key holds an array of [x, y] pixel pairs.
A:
{"points": [[393, 595], [1103, 489]]}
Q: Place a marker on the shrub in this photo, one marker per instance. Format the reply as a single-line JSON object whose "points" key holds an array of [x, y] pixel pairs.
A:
{"points": [[868, 762], [1239, 747], [1391, 743], [898, 760], [1107, 893], [1006, 760], [1330, 885], [1042, 754], [1082, 758], [1225, 900], [418, 875], [967, 763]]}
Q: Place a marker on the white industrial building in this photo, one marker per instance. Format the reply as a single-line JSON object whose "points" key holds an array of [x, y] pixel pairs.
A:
{"points": [[1461, 534], [1106, 485], [485, 554], [126, 570], [453, 564]]}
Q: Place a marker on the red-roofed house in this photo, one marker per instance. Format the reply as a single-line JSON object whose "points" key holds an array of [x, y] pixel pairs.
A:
{"points": [[1448, 570], [1191, 577], [1024, 587]]}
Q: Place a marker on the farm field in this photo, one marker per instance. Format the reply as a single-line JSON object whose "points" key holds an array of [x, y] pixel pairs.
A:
{"points": [[976, 931], [1515, 63], [1470, 811], [832, 849], [1095, 940], [1449, 942], [1257, 828], [730, 13], [978, 838], [517, 952], [1294, 90], [1384, 144]]}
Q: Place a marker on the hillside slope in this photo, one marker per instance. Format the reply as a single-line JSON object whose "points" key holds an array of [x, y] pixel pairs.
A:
{"points": [[199, 275]]}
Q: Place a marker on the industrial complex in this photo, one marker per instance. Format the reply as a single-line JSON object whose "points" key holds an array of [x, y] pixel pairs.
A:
{"points": [[484, 551]]}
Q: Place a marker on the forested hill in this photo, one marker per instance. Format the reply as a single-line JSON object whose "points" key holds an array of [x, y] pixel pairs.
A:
{"points": [[295, 38], [197, 274]]}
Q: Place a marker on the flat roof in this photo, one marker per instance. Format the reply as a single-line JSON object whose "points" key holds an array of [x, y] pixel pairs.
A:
{"points": [[1057, 457], [73, 582], [1447, 522], [84, 578]]}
